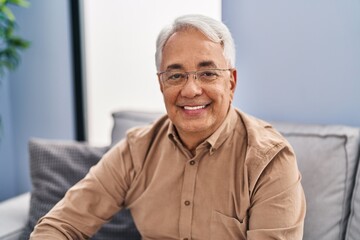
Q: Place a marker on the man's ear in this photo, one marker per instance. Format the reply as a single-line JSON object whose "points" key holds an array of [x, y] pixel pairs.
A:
{"points": [[233, 80]]}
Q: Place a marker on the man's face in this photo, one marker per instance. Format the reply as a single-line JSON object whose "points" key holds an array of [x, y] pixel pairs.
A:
{"points": [[196, 109]]}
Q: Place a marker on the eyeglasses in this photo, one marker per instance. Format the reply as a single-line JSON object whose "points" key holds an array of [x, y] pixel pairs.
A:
{"points": [[179, 78]]}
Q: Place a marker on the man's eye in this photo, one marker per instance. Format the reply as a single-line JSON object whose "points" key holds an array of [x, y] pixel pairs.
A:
{"points": [[208, 74], [175, 76]]}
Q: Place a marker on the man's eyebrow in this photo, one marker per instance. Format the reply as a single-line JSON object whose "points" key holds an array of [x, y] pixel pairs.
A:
{"points": [[174, 66], [202, 64], [207, 64]]}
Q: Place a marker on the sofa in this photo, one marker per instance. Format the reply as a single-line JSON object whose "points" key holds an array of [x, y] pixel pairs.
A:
{"points": [[328, 158]]}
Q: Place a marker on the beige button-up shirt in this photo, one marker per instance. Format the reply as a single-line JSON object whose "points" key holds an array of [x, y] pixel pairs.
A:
{"points": [[242, 183]]}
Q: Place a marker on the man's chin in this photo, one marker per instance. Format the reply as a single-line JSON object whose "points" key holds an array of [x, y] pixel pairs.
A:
{"points": [[192, 127]]}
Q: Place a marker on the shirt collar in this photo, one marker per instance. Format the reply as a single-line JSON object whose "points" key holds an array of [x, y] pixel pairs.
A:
{"points": [[172, 133], [217, 138], [223, 132]]}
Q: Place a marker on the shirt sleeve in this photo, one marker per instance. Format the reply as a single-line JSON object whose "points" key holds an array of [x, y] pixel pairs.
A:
{"points": [[278, 203], [91, 202]]}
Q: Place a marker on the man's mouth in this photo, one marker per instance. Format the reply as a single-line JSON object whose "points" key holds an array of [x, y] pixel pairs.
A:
{"points": [[192, 108]]}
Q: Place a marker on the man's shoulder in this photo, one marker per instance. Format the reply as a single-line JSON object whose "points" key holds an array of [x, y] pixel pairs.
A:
{"points": [[263, 139], [265, 146]]}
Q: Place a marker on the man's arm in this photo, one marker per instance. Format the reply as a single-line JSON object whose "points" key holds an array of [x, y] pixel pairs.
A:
{"points": [[44, 231], [278, 203]]}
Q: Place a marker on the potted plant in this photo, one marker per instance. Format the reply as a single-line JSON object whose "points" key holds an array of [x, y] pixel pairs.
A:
{"points": [[10, 44]]}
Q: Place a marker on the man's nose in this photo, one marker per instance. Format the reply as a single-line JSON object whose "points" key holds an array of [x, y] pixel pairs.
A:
{"points": [[191, 88]]}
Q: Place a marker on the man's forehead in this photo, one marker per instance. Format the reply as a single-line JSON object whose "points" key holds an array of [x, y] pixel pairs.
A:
{"points": [[201, 64]]}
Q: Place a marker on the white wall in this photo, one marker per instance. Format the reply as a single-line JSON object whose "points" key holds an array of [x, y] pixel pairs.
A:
{"points": [[119, 49]]}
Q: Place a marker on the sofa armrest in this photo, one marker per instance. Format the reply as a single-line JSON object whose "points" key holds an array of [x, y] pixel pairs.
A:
{"points": [[13, 216]]}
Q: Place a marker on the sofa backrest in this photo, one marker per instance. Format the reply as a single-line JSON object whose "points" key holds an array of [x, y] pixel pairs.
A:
{"points": [[328, 157], [353, 228], [124, 120]]}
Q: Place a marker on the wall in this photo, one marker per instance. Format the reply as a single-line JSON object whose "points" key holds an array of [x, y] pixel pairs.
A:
{"points": [[41, 93], [7, 165], [297, 60], [120, 56]]}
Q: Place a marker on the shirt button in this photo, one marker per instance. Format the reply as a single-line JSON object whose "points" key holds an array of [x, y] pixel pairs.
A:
{"points": [[187, 203], [192, 162]]}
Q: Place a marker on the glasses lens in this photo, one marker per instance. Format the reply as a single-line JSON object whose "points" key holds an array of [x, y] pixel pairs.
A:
{"points": [[174, 77], [208, 75]]}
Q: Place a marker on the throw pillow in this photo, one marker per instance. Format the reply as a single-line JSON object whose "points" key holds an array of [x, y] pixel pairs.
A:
{"points": [[55, 166]]}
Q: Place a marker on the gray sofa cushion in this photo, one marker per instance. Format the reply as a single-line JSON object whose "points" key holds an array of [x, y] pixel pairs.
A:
{"points": [[327, 158], [353, 230], [124, 120], [56, 166]]}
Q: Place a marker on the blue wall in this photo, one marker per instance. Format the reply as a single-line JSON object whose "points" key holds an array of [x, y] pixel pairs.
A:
{"points": [[7, 164], [41, 91], [297, 60]]}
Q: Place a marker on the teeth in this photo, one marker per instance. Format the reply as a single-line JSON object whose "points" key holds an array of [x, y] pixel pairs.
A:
{"points": [[194, 108]]}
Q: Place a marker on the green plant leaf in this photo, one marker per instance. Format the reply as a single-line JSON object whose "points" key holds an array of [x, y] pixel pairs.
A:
{"points": [[10, 44], [19, 42], [8, 13], [21, 3]]}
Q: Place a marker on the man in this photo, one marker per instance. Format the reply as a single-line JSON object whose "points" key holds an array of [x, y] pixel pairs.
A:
{"points": [[203, 171]]}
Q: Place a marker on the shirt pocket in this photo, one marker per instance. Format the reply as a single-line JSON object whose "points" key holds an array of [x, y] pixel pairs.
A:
{"points": [[224, 227]]}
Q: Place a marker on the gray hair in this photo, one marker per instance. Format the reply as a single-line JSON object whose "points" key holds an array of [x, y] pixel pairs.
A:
{"points": [[215, 30]]}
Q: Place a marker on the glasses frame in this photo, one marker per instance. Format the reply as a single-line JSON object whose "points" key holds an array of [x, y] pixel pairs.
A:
{"points": [[194, 73]]}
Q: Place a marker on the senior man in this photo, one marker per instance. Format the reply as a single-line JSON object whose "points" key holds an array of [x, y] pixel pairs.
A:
{"points": [[203, 171]]}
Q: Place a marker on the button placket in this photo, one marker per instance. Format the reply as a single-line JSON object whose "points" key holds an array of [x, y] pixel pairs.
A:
{"points": [[187, 196]]}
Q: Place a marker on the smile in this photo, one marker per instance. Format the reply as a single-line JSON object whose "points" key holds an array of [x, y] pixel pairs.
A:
{"points": [[191, 108]]}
